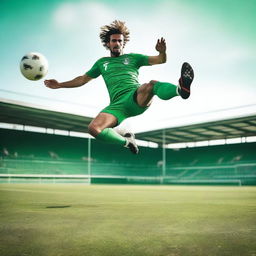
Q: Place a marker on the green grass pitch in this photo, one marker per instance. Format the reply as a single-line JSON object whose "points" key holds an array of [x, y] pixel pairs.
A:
{"points": [[99, 220]]}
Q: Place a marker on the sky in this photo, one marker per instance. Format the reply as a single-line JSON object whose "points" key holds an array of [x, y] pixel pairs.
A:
{"points": [[218, 38]]}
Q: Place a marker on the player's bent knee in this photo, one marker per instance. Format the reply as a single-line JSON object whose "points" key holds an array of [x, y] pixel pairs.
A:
{"points": [[146, 89], [149, 86], [93, 130], [152, 82]]}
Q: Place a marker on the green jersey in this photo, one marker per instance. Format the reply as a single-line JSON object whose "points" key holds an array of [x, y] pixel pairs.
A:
{"points": [[119, 73]]}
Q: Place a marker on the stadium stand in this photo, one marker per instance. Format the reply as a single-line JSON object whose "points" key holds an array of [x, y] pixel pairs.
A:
{"points": [[57, 157], [31, 156]]}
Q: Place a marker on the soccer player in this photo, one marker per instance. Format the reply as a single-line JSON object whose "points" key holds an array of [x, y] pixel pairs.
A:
{"points": [[127, 97]]}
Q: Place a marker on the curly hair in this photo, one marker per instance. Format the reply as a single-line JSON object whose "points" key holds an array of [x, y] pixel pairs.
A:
{"points": [[116, 27]]}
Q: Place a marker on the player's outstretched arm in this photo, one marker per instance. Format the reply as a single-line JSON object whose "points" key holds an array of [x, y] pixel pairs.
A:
{"points": [[76, 82], [161, 48]]}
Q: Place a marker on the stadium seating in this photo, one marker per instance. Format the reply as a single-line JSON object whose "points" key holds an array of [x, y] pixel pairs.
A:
{"points": [[31, 153]]}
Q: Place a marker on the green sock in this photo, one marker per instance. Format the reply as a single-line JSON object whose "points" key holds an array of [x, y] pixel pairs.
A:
{"points": [[109, 135], [165, 91]]}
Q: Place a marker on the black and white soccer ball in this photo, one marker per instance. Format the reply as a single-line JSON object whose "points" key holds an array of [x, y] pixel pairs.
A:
{"points": [[34, 66]]}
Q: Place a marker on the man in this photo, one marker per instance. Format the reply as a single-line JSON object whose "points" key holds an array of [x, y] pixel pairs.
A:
{"points": [[127, 97]]}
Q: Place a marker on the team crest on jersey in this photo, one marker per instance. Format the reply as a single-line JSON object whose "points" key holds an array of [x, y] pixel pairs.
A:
{"points": [[126, 61]]}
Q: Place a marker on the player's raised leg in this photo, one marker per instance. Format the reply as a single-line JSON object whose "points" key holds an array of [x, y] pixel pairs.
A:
{"points": [[164, 90]]}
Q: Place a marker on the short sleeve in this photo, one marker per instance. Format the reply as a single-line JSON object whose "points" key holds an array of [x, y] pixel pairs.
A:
{"points": [[94, 71], [142, 60]]}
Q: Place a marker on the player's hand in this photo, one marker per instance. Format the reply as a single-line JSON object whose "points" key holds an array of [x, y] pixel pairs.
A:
{"points": [[161, 45], [52, 83]]}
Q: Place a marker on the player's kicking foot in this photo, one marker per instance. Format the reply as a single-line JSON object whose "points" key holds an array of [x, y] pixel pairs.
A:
{"points": [[130, 143], [186, 78]]}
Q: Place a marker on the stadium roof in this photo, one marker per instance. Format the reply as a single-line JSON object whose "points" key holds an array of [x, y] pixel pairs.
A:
{"points": [[25, 114], [221, 129]]}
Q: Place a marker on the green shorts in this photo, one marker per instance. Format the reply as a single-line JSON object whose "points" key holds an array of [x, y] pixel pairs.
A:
{"points": [[125, 107]]}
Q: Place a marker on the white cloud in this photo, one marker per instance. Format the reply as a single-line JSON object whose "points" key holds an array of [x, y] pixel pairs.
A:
{"points": [[82, 15], [65, 16]]}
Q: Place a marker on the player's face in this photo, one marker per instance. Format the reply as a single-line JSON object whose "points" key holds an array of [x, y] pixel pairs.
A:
{"points": [[116, 45]]}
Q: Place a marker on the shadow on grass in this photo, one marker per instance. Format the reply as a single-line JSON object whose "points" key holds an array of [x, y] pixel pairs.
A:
{"points": [[58, 206]]}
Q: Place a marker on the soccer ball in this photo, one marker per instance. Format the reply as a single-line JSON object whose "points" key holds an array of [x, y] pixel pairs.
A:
{"points": [[34, 66]]}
